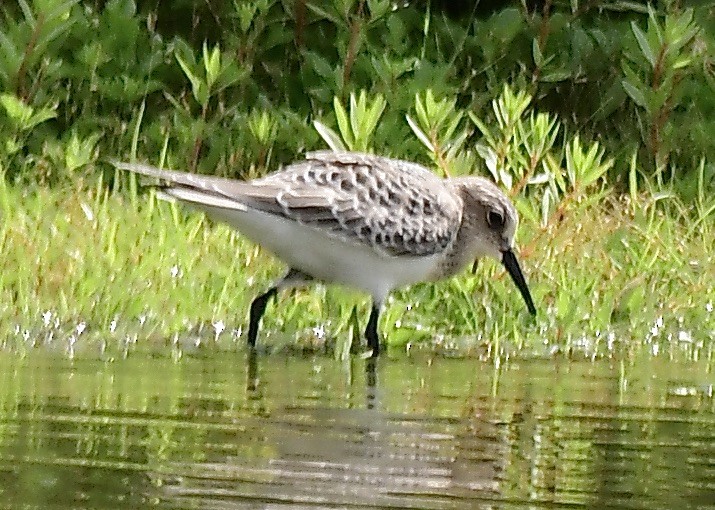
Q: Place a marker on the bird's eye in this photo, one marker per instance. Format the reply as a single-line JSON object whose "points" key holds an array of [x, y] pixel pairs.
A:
{"points": [[495, 220]]}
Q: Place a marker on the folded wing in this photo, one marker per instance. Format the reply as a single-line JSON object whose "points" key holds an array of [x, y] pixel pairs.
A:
{"points": [[399, 208]]}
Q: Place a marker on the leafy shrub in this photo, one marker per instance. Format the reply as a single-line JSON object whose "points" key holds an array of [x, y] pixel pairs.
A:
{"points": [[195, 81]]}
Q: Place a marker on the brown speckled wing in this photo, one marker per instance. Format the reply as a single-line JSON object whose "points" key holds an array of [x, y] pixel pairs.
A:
{"points": [[400, 208]]}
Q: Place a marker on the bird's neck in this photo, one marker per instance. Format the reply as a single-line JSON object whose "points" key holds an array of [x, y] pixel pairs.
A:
{"points": [[465, 248]]}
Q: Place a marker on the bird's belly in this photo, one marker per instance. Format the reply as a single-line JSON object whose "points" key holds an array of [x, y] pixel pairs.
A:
{"points": [[326, 257]]}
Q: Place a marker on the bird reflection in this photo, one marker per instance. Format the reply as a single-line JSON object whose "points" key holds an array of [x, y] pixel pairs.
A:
{"points": [[317, 437], [251, 372], [371, 401]]}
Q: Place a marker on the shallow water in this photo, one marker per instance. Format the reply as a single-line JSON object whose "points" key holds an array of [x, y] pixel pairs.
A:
{"points": [[229, 431]]}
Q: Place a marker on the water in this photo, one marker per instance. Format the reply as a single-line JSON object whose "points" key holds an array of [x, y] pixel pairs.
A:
{"points": [[225, 431]]}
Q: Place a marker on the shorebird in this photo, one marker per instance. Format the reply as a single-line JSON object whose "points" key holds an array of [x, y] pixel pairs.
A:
{"points": [[368, 222]]}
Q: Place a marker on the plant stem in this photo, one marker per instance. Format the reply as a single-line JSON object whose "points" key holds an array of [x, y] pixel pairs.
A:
{"points": [[352, 43]]}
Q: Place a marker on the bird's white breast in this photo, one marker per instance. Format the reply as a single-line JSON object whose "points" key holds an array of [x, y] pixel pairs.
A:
{"points": [[326, 257]]}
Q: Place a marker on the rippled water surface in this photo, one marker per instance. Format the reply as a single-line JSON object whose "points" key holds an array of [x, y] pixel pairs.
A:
{"points": [[230, 431]]}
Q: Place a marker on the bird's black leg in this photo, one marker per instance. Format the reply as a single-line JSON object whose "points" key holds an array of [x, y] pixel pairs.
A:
{"points": [[373, 340], [293, 278], [258, 307]]}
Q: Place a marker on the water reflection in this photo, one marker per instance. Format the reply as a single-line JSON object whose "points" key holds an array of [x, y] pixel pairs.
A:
{"points": [[247, 431], [348, 454]]}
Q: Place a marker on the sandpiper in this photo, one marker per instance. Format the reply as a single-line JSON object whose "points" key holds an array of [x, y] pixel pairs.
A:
{"points": [[364, 221]]}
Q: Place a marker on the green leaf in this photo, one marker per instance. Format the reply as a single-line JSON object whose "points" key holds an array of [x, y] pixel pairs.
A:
{"points": [[320, 65], [245, 12], [536, 53], [595, 172], [12, 56], [79, 153], [642, 40], [196, 82], [27, 12], [420, 134], [552, 167], [486, 132], [490, 159], [343, 123], [681, 62], [635, 94], [18, 111], [330, 137], [230, 76], [369, 120], [262, 126], [555, 76], [378, 8], [335, 20], [24, 116], [506, 25], [12, 145], [41, 116], [356, 109], [422, 116], [212, 64], [653, 24], [452, 127]]}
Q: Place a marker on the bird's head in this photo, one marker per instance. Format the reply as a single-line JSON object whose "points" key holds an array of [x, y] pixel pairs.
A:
{"points": [[490, 219]]}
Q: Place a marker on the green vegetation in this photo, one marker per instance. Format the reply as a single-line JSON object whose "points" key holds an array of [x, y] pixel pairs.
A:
{"points": [[617, 235]]}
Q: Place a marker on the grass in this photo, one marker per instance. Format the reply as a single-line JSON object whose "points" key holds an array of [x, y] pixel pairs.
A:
{"points": [[93, 271]]}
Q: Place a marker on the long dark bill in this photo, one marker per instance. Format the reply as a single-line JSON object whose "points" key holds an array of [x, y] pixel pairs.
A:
{"points": [[512, 266]]}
